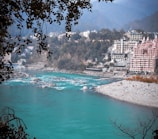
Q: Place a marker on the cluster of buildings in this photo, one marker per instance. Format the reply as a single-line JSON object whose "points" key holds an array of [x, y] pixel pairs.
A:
{"points": [[145, 56], [135, 53]]}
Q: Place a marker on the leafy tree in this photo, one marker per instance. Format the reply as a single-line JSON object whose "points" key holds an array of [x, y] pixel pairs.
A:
{"points": [[32, 15]]}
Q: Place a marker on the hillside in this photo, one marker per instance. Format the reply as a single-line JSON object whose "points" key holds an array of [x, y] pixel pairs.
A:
{"points": [[74, 53], [149, 23]]}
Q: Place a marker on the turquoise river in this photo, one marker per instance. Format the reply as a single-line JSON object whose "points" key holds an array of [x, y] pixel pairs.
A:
{"points": [[54, 106]]}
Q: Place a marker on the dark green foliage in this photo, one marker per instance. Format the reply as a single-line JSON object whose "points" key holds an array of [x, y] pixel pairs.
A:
{"points": [[11, 126], [6, 70]]}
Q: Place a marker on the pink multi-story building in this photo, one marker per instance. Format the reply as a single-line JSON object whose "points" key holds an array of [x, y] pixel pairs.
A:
{"points": [[145, 56]]}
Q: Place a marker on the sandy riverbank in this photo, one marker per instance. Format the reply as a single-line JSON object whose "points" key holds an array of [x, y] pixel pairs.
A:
{"points": [[140, 93]]}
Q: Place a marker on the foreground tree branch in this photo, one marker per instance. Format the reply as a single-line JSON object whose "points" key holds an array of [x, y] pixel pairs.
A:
{"points": [[143, 129], [11, 126], [125, 130], [32, 14]]}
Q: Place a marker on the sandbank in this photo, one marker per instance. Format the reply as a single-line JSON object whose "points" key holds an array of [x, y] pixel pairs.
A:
{"points": [[135, 92]]}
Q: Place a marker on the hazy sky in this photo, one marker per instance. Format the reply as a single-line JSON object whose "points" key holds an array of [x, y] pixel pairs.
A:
{"points": [[115, 1], [114, 14], [118, 13], [118, 1]]}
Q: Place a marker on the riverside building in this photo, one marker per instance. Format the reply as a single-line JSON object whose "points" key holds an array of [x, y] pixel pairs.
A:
{"points": [[145, 56], [123, 48]]}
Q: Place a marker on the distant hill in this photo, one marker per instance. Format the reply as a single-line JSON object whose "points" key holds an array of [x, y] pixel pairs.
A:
{"points": [[107, 15], [149, 23], [116, 14]]}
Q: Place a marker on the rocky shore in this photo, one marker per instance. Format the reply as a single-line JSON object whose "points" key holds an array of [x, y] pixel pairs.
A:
{"points": [[135, 92]]}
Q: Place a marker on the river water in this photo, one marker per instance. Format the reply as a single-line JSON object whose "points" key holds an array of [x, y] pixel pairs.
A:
{"points": [[54, 106]]}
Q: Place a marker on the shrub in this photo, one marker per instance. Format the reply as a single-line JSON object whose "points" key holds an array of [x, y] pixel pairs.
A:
{"points": [[11, 126], [150, 79]]}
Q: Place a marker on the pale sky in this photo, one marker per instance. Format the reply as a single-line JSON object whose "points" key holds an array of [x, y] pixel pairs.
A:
{"points": [[115, 1], [118, 1]]}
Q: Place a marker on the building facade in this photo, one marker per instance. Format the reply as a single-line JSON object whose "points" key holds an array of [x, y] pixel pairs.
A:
{"points": [[134, 35], [145, 56], [125, 45], [123, 48]]}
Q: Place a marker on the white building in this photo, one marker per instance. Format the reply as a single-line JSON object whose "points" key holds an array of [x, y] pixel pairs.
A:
{"points": [[123, 48]]}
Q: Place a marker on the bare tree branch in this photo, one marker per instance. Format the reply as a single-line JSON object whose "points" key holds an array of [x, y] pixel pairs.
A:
{"points": [[143, 128], [126, 131]]}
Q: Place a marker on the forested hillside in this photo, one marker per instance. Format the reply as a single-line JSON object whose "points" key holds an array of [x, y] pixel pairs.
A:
{"points": [[74, 52]]}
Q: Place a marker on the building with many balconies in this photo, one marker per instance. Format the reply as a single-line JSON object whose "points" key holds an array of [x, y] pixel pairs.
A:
{"points": [[122, 49], [145, 56]]}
